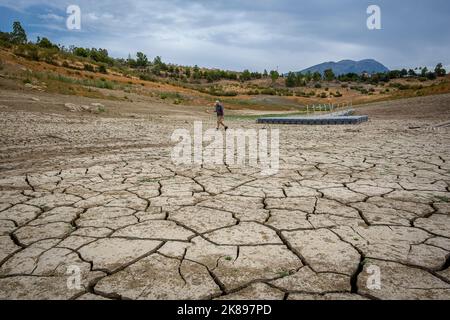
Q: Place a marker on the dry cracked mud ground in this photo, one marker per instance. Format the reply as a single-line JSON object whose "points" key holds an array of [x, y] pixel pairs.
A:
{"points": [[101, 194]]}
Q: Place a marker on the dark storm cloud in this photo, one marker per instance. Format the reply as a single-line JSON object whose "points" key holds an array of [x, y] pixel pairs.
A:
{"points": [[253, 34]]}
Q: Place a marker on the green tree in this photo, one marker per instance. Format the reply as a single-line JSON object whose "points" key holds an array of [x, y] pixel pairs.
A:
{"points": [[197, 74], [424, 71], [439, 70], [274, 75], [395, 74], [45, 43], [158, 64], [188, 72], [81, 52], [291, 80], [245, 76], [131, 62], [18, 36], [99, 55], [141, 60], [301, 80], [317, 76], [431, 75], [256, 75], [308, 76], [157, 61], [329, 75]]}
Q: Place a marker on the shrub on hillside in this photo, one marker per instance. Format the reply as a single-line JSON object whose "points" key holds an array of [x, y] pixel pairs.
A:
{"points": [[269, 91], [27, 51], [222, 93], [102, 69], [48, 55], [431, 76], [5, 40], [81, 52], [89, 67], [46, 44], [146, 77]]}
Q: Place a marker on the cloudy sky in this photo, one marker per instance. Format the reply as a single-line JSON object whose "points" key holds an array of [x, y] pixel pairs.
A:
{"points": [[241, 34]]}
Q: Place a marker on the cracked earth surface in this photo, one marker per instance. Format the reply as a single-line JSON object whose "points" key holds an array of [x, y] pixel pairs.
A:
{"points": [[102, 194]]}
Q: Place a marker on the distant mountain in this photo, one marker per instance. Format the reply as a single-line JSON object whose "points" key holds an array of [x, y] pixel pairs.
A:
{"points": [[348, 66]]}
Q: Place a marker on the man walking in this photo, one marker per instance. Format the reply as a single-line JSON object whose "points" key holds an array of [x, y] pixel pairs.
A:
{"points": [[219, 110]]}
